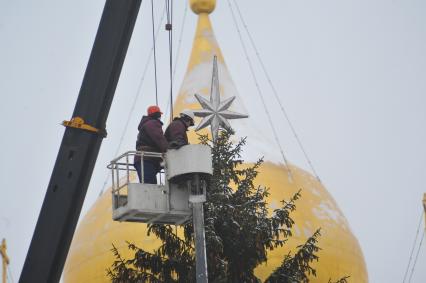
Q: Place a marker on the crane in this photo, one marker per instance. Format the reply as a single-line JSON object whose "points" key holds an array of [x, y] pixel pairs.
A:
{"points": [[80, 145]]}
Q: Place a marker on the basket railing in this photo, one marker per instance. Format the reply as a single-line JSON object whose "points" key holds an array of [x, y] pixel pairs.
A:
{"points": [[124, 164]]}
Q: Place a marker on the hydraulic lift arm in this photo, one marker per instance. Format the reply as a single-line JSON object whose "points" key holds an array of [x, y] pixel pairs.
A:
{"points": [[80, 145]]}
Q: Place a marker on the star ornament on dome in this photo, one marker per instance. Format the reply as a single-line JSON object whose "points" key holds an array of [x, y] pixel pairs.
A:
{"points": [[215, 112]]}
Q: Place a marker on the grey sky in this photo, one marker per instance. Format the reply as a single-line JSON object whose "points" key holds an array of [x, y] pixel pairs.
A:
{"points": [[351, 74]]}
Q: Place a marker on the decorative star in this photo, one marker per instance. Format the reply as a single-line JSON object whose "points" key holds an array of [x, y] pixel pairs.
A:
{"points": [[215, 112]]}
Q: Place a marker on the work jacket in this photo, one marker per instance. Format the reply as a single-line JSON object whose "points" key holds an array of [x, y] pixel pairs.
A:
{"points": [[150, 136], [176, 133]]}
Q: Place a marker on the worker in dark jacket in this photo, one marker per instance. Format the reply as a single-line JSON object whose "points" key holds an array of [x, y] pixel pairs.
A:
{"points": [[150, 139], [176, 131]]}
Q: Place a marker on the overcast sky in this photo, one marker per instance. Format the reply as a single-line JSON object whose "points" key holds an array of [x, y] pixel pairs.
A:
{"points": [[351, 74]]}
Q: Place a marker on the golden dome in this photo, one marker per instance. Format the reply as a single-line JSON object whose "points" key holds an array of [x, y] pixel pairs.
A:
{"points": [[90, 254], [202, 6]]}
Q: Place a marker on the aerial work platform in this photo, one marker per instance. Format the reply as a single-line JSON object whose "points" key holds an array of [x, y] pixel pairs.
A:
{"points": [[182, 182]]}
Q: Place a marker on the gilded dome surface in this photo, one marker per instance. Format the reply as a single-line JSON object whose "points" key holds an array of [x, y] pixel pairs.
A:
{"points": [[90, 254], [202, 6]]}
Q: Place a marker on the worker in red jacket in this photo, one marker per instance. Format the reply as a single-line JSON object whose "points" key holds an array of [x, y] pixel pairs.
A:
{"points": [[151, 139], [176, 131]]}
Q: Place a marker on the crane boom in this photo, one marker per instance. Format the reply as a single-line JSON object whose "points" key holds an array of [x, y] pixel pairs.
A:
{"points": [[80, 145]]}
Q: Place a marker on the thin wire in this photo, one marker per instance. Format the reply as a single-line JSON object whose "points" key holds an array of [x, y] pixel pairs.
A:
{"points": [[414, 245], [259, 92], [10, 274], [180, 40], [169, 5], [170, 103], [275, 92], [417, 255], [171, 60], [155, 57], [135, 99]]}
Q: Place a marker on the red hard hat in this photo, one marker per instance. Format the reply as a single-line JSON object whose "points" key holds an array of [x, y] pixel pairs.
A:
{"points": [[154, 109]]}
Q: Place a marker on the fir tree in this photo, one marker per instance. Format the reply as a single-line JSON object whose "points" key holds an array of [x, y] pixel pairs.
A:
{"points": [[239, 232]]}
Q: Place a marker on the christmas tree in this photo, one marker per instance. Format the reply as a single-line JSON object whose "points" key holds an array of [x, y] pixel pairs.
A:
{"points": [[239, 231]]}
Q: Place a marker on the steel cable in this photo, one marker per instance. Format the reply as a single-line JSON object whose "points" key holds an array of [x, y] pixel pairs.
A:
{"points": [[414, 245], [155, 57], [135, 99], [259, 92], [169, 27], [417, 256], [274, 91], [10, 277], [169, 102]]}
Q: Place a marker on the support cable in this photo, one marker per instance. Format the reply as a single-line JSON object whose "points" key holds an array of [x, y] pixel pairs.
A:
{"points": [[274, 91], [10, 277], [414, 245], [259, 92], [135, 99], [417, 255], [169, 28], [169, 102], [155, 57], [170, 18]]}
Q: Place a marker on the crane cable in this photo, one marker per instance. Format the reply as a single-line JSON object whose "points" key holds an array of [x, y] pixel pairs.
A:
{"points": [[169, 28], [413, 247], [169, 108], [259, 92], [155, 57], [135, 99], [141, 83], [274, 91], [10, 277], [417, 256]]}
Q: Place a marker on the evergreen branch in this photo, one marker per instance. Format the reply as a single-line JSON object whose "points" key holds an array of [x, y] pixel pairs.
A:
{"points": [[297, 268]]}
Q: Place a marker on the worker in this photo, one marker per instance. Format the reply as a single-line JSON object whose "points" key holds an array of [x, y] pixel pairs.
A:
{"points": [[176, 131], [150, 139]]}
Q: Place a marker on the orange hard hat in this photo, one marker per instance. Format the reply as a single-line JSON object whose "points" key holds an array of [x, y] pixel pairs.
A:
{"points": [[154, 109]]}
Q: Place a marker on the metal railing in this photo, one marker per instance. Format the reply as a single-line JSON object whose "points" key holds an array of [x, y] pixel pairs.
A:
{"points": [[124, 162]]}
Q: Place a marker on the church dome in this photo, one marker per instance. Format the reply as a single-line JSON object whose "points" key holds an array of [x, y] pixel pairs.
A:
{"points": [[340, 255], [202, 6]]}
